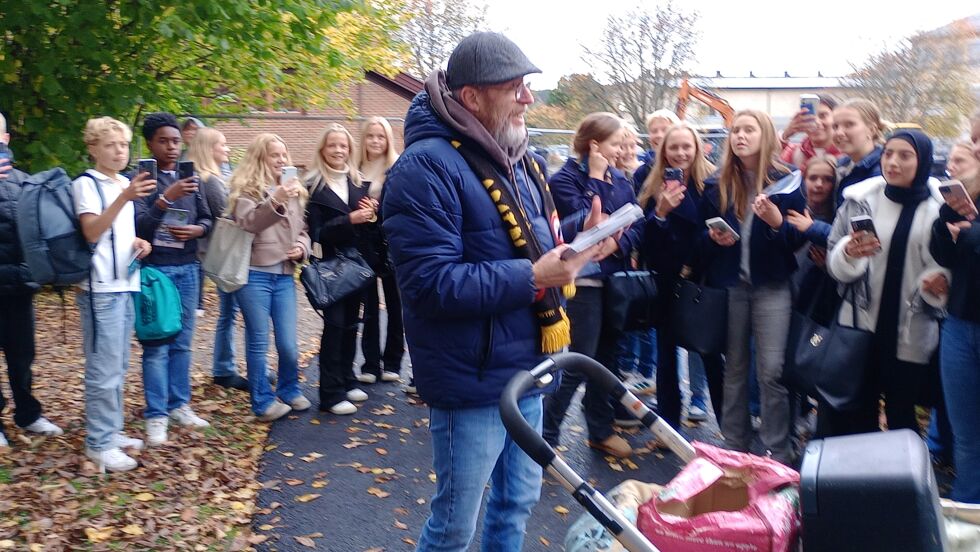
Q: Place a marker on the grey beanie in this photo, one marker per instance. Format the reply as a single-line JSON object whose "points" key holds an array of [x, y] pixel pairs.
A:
{"points": [[486, 58]]}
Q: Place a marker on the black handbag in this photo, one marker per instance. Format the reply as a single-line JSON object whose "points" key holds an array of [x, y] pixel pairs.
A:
{"points": [[699, 317], [630, 300], [330, 280], [829, 363]]}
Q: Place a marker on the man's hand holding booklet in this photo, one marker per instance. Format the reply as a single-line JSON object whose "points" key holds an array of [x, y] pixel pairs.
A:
{"points": [[617, 221]]}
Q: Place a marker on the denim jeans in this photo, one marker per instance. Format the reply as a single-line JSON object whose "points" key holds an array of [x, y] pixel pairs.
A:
{"points": [[270, 296], [637, 351], [167, 368], [960, 363], [470, 447], [107, 326], [223, 363], [698, 380]]}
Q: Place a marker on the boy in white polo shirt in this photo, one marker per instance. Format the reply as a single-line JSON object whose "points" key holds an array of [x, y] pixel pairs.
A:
{"points": [[104, 205]]}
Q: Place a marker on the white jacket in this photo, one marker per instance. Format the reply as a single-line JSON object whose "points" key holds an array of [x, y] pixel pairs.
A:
{"points": [[918, 331]]}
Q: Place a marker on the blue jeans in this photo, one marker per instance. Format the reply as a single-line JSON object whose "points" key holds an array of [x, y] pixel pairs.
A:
{"points": [[637, 350], [697, 379], [167, 368], [470, 447], [270, 296], [959, 359], [224, 337], [107, 326]]}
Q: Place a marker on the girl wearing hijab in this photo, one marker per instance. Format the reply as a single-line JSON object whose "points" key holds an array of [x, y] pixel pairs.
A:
{"points": [[899, 287]]}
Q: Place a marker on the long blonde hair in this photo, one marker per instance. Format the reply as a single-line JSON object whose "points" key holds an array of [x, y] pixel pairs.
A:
{"points": [[732, 188], [252, 178], [390, 155], [700, 169], [315, 178], [201, 152]]}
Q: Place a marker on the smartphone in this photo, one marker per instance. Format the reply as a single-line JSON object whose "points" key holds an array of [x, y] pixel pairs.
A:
{"points": [[809, 103], [147, 166], [719, 224], [673, 175], [863, 223], [953, 189], [185, 169], [288, 173]]}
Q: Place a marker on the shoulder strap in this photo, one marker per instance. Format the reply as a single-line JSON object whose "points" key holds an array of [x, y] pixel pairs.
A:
{"points": [[112, 226]]}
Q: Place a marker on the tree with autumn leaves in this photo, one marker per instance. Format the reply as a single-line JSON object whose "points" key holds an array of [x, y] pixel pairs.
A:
{"points": [[64, 62]]}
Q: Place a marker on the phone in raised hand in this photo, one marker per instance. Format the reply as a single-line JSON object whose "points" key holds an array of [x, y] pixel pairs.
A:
{"points": [[672, 175], [863, 223], [147, 166], [287, 175]]}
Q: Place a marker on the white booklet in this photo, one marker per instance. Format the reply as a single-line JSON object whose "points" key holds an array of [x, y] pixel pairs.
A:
{"points": [[623, 217]]}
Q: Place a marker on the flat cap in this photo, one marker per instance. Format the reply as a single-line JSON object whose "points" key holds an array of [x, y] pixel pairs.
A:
{"points": [[486, 58]]}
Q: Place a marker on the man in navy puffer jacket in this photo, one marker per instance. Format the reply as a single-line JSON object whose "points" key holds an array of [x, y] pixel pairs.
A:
{"points": [[17, 290], [469, 297]]}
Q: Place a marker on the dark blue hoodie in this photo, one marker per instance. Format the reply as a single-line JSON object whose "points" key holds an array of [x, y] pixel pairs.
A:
{"points": [[467, 298]]}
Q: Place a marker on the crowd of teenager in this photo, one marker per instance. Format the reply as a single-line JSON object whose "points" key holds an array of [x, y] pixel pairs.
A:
{"points": [[913, 283]]}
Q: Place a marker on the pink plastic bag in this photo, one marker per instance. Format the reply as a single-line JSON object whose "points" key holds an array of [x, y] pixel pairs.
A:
{"points": [[725, 501]]}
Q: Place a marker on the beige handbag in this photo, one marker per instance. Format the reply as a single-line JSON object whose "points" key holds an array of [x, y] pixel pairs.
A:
{"points": [[228, 256]]}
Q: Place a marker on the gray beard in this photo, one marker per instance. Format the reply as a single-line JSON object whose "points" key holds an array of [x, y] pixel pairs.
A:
{"points": [[508, 135]]}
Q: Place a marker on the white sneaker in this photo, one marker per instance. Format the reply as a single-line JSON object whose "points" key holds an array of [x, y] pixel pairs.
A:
{"points": [[276, 410], [156, 431], [343, 408], [43, 426], [3, 441], [356, 395], [113, 459], [366, 378], [300, 403], [123, 441], [696, 414], [390, 376], [410, 389], [186, 417]]}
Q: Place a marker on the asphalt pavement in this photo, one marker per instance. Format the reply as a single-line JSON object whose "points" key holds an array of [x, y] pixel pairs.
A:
{"points": [[363, 482]]}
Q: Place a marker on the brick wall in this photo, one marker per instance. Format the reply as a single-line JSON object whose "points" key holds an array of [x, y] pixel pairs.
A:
{"points": [[300, 131]]}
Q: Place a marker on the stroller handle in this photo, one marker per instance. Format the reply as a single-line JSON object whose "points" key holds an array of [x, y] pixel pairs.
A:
{"points": [[519, 430], [536, 447]]}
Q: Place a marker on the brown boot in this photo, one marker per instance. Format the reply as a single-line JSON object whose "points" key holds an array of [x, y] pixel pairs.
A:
{"points": [[613, 445]]}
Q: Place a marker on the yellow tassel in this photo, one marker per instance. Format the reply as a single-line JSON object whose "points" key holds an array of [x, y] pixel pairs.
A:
{"points": [[557, 336], [495, 196], [509, 218], [503, 208], [456, 144], [515, 233], [520, 243], [568, 290], [487, 182]]}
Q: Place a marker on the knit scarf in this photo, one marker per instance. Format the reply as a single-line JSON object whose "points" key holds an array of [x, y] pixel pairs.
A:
{"points": [[550, 314]]}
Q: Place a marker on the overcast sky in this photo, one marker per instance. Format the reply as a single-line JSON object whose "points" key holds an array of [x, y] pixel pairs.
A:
{"points": [[737, 36]]}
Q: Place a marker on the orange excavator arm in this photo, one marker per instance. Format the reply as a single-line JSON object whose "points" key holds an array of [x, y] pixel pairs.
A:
{"points": [[711, 100]]}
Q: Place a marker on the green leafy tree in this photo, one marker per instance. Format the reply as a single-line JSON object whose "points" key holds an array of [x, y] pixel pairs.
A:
{"points": [[64, 61]]}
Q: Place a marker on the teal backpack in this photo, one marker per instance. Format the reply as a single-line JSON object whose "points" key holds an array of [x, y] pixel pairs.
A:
{"points": [[158, 309]]}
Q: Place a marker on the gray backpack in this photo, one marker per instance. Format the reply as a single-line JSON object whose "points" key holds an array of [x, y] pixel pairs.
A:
{"points": [[50, 234]]}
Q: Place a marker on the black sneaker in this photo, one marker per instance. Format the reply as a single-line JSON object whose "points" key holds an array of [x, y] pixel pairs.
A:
{"points": [[232, 382]]}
